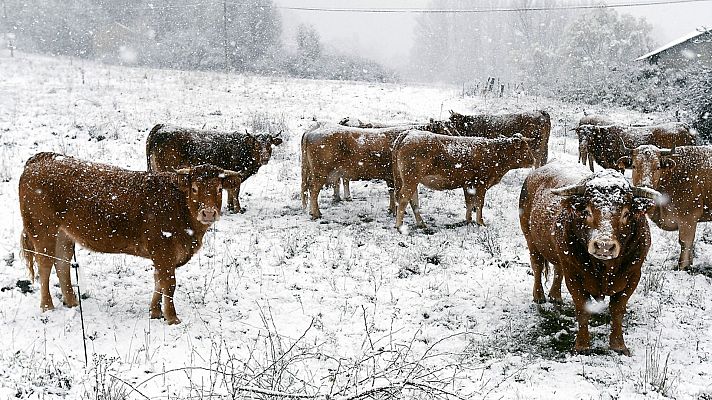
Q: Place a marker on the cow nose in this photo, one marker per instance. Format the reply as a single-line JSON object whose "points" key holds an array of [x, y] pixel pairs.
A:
{"points": [[604, 248], [208, 215]]}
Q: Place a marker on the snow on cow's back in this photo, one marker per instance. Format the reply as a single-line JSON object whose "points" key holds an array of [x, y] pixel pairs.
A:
{"points": [[564, 173], [455, 146]]}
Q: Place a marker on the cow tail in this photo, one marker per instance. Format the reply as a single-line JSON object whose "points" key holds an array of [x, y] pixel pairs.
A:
{"points": [[305, 172], [397, 182], [27, 253], [151, 143], [546, 126]]}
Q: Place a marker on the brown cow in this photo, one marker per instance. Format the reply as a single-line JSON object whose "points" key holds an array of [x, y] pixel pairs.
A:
{"points": [[434, 126], [606, 144], [162, 217], [592, 228], [331, 152], [535, 125], [581, 133], [684, 176], [169, 148], [442, 162]]}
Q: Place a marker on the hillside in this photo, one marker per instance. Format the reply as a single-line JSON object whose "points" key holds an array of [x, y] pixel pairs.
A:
{"points": [[278, 301]]}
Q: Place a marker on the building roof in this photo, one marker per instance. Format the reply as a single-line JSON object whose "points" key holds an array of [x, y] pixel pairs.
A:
{"points": [[689, 36]]}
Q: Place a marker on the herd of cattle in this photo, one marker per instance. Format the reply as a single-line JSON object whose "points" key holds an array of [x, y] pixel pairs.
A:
{"points": [[590, 226]]}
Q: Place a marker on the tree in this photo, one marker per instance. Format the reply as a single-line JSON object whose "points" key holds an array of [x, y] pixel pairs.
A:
{"points": [[598, 49], [253, 30], [308, 42]]}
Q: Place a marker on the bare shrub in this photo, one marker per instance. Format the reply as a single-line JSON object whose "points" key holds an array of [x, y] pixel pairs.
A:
{"points": [[278, 366], [488, 239], [267, 122], [655, 375], [105, 386], [34, 376]]}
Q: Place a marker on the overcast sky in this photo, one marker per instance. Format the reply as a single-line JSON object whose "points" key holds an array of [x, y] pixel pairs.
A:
{"points": [[389, 37]]}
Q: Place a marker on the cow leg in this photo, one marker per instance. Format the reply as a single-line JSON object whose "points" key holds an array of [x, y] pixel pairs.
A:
{"points": [[233, 200], [405, 195], [617, 306], [469, 202], [64, 252], [166, 282], [347, 189], [538, 263], [156, 297], [230, 197], [687, 239], [590, 163], [555, 290], [315, 186], [415, 206], [391, 201], [583, 154], [583, 338], [479, 203], [45, 261], [336, 184]]}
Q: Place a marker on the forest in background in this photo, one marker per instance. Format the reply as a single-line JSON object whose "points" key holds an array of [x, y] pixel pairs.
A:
{"points": [[578, 55], [244, 36]]}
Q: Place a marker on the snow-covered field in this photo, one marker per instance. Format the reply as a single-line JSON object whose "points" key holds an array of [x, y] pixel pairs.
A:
{"points": [[342, 305]]}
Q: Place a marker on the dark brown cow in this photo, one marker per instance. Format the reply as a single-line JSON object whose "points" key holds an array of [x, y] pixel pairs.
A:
{"points": [[442, 162], [684, 176], [606, 144], [162, 217], [169, 148], [535, 125], [592, 228], [582, 133], [333, 152]]}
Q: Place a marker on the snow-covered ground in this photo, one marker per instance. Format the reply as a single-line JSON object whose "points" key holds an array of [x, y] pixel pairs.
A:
{"points": [[339, 305]]}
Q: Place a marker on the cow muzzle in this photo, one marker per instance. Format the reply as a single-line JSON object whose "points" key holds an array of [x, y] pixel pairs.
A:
{"points": [[208, 215], [604, 248]]}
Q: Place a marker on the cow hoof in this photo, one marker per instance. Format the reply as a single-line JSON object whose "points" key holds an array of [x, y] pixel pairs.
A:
{"points": [[71, 303], [315, 217], [621, 350], [556, 301], [173, 321], [539, 300], [581, 349], [156, 314], [46, 307], [348, 199]]}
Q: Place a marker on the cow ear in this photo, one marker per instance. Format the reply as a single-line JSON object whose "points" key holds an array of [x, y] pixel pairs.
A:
{"points": [[276, 141], [668, 162], [625, 162]]}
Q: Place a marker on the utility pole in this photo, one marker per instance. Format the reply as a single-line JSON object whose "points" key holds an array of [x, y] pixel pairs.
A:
{"points": [[225, 46]]}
